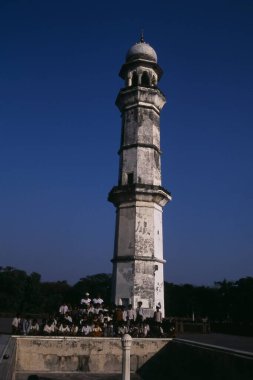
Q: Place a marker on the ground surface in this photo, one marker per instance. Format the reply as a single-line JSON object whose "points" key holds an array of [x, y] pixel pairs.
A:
{"points": [[240, 343], [3, 342]]}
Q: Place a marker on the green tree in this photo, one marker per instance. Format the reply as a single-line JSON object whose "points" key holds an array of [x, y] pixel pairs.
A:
{"points": [[12, 289], [95, 284], [54, 294]]}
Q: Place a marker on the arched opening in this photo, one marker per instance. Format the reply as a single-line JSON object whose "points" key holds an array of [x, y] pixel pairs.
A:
{"points": [[145, 79], [130, 178], [135, 79]]}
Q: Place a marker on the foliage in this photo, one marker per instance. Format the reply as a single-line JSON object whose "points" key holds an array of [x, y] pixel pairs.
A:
{"points": [[229, 301], [98, 284], [226, 301]]}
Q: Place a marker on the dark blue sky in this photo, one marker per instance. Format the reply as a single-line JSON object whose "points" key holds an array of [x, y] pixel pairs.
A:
{"points": [[60, 132]]}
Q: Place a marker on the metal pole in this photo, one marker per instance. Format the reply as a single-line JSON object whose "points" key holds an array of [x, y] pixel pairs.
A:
{"points": [[126, 342]]}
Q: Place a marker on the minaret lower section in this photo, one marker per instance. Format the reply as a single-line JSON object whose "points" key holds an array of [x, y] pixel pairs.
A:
{"points": [[139, 196]]}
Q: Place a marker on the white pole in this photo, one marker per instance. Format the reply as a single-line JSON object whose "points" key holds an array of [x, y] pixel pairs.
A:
{"points": [[126, 342]]}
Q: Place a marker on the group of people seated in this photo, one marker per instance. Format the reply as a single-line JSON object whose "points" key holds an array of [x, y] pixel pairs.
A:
{"points": [[93, 319]]}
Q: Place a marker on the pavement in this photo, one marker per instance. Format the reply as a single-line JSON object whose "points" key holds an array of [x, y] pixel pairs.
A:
{"points": [[4, 339], [5, 325], [232, 342]]}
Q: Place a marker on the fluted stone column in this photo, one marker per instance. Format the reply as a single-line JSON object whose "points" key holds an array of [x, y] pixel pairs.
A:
{"points": [[126, 342]]}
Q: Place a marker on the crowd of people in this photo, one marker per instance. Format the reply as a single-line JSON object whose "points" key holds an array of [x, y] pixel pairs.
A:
{"points": [[94, 319]]}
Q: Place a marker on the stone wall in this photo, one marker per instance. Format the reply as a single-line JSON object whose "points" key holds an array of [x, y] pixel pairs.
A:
{"points": [[96, 355]]}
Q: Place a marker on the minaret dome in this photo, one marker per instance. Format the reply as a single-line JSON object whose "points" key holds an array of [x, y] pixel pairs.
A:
{"points": [[141, 50]]}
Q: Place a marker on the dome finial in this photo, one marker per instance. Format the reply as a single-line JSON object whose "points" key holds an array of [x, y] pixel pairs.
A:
{"points": [[141, 50], [142, 36]]}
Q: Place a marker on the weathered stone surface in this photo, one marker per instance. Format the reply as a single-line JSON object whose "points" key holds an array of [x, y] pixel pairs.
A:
{"points": [[95, 355], [139, 196]]}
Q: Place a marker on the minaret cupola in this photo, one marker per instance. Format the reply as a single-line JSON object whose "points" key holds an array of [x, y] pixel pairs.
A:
{"points": [[141, 68]]}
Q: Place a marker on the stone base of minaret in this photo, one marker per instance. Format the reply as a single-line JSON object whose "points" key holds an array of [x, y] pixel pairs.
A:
{"points": [[138, 264]]}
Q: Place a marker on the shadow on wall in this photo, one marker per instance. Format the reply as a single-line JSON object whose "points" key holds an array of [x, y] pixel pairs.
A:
{"points": [[82, 376], [35, 377], [178, 361]]}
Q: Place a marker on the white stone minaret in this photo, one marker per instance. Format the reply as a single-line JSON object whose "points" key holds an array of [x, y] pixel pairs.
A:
{"points": [[139, 197]]}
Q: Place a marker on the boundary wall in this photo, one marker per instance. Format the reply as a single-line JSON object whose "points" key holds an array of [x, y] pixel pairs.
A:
{"points": [[80, 354]]}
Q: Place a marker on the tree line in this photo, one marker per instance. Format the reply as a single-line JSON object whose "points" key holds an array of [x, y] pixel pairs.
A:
{"points": [[225, 301]]}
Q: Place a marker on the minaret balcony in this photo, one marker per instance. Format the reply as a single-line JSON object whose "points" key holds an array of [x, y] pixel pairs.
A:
{"points": [[140, 96], [139, 192]]}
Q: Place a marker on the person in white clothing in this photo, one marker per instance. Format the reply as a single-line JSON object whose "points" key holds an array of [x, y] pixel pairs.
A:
{"points": [[130, 314], [86, 300], [68, 317], [158, 315], [49, 328], [64, 329], [34, 328], [63, 309], [124, 314], [97, 308], [16, 324], [86, 329], [98, 300]]}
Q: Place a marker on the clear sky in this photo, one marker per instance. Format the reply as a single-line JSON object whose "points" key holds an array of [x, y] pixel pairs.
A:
{"points": [[60, 133]]}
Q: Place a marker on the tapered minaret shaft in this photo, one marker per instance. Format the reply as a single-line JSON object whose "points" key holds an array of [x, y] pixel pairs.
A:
{"points": [[139, 197]]}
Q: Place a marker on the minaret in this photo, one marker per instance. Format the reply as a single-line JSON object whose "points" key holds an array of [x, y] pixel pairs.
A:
{"points": [[139, 197]]}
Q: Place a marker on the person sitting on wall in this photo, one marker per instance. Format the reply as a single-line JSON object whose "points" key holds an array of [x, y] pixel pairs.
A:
{"points": [[73, 329], [104, 307], [34, 328], [96, 331], [98, 300], [84, 318], [118, 314], [97, 308], [49, 328], [144, 329], [86, 300], [16, 324], [134, 329], [68, 317], [109, 329], [90, 308], [156, 329], [63, 309], [64, 329], [105, 320], [26, 324], [86, 329], [84, 309], [122, 328], [101, 317]]}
